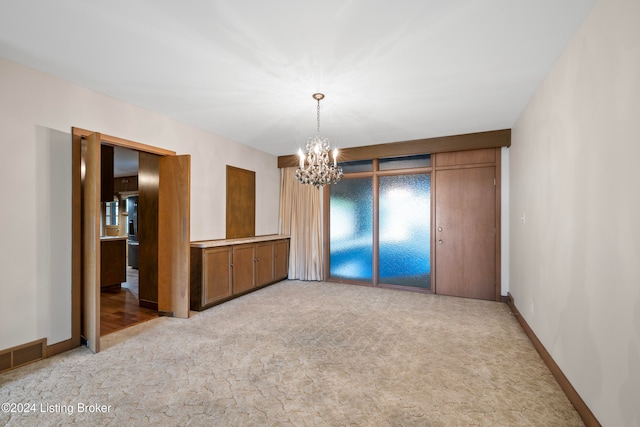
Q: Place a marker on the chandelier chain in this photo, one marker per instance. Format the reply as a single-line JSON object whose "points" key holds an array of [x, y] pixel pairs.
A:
{"points": [[318, 118]]}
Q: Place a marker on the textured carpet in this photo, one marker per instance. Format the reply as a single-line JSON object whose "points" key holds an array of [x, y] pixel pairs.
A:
{"points": [[302, 354]]}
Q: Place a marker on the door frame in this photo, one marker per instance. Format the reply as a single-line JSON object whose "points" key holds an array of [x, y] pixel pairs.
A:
{"points": [[76, 227], [497, 163]]}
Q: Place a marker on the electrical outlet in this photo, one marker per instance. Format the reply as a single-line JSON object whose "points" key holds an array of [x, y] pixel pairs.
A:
{"points": [[531, 307], [523, 218]]}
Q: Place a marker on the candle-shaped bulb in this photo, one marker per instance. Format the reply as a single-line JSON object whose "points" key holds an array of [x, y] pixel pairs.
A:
{"points": [[335, 157], [301, 154]]}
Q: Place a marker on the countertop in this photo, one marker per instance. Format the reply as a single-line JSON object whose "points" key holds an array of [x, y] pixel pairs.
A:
{"points": [[226, 242], [109, 238]]}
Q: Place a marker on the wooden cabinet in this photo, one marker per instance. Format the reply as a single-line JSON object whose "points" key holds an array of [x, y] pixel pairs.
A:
{"points": [[113, 269], [125, 183], [222, 270], [106, 173]]}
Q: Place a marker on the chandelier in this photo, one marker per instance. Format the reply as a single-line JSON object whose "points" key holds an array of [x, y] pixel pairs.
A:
{"points": [[316, 167]]}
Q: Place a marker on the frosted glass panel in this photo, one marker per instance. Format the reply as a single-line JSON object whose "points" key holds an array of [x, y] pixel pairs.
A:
{"points": [[405, 217], [421, 161], [357, 166], [351, 229]]}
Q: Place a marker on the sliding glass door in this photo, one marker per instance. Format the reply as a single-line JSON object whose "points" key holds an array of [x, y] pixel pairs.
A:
{"points": [[380, 216]]}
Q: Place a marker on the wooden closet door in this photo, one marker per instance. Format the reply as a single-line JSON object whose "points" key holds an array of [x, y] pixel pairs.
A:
{"points": [[465, 233]]}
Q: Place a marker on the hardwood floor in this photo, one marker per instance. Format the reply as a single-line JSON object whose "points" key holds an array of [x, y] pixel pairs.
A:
{"points": [[119, 308]]}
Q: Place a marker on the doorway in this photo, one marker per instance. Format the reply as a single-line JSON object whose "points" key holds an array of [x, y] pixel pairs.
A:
{"points": [[170, 182], [120, 303]]}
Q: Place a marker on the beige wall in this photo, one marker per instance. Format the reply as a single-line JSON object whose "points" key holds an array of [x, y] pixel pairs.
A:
{"points": [[37, 112], [575, 260]]}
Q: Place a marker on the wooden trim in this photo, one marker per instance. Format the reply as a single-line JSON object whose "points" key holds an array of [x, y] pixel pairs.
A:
{"points": [[470, 166], [469, 141], [326, 232], [582, 408], [119, 142], [433, 285], [498, 193], [408, 171], [76, 238], [62, 346], [24, 354], [375, 244]]}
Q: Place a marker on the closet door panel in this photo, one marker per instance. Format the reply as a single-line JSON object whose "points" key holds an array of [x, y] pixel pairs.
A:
{"points": [[465, 233]]}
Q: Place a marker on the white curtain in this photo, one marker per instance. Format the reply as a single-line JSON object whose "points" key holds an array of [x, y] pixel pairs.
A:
{"points": [[301, 218]]}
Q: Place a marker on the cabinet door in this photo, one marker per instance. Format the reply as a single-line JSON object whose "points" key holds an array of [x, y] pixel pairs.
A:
{"points": [[113, 268], [264, 263], [243, 268], [281, 259], [217, 280]]}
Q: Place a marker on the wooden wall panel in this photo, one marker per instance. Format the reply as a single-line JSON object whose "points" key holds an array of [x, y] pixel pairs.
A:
{"points": [[470, 157], [241, 203], [106, 173]]}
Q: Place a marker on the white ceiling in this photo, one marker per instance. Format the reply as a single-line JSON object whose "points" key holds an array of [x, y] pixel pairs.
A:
{"points": [[246, 69]]}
